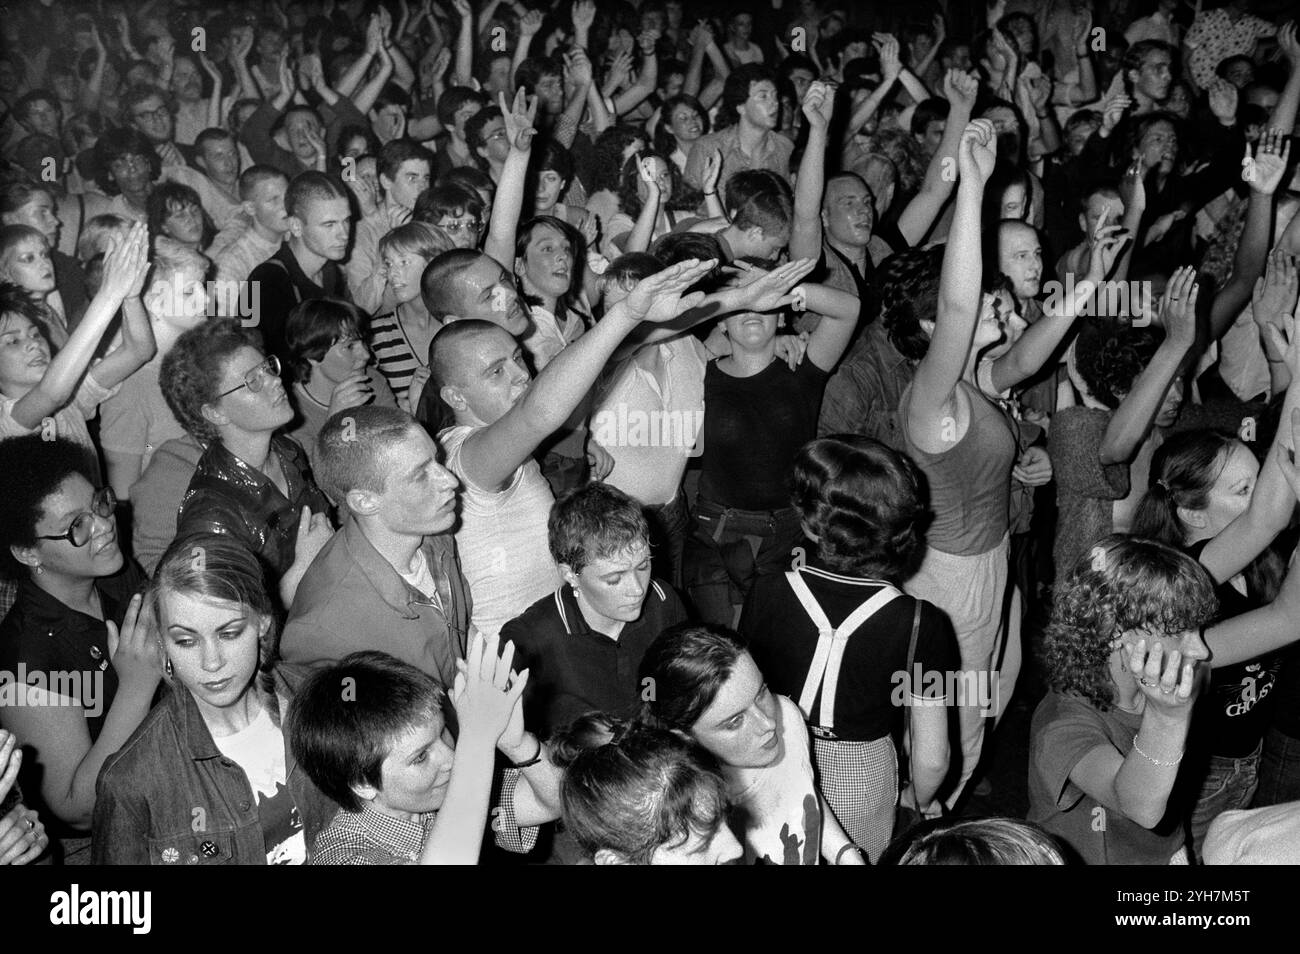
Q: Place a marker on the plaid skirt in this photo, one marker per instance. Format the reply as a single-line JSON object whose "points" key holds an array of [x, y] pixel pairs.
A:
{"points": [[859, 780]]}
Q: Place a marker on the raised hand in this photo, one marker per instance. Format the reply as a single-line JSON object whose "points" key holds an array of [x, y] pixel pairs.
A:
{"points": [[1178, 308], [518, 119], [126, 263], [352, 391], [1265, 171], [819, 105], [210, 68], [660, 297], [241, 43], [620, 70], [1275, 291], [578, 67], [1287, 40], [1132, 188], [978, 151], [599, 460], [647, 40], [712, 172], [531, 23], [134, 648], [891, 64], [485, 692], [960, 89], [314, 531], [1223, 101], [1164, 677], [583, 15], [768, 291]]}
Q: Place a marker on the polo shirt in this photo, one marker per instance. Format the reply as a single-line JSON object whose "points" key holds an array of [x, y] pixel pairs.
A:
{"points": [[573, 669]]}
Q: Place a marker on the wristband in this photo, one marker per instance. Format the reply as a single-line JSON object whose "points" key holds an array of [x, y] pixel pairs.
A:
{"points": [[531, 762]]}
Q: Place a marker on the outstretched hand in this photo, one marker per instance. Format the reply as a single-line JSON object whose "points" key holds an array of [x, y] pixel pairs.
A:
{"points": [[660, 297]]}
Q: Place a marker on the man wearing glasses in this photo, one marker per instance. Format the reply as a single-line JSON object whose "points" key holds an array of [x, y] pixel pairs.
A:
{"points": [[146, 110], [404, 167], [307, 264]]}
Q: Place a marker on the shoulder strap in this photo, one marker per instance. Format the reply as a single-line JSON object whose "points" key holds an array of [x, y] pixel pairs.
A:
{"points": [[824, 671]]}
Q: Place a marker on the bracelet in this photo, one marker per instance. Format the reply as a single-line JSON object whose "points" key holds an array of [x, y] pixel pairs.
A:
{"points": [[1154, 760], [707, 194], [849, 847], [531, 762]]}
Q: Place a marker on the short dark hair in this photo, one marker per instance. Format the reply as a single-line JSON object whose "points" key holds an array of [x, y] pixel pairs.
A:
{"points": [[351, 449], [909, 294], [678, 247], [118, 143], [34, 469], [759, 198], [397, 151], [1109, 355], [687, 665], [553, 157], [167, 196], [474, 126], [191, 371], [1136, 54], [213, 134], [311, 186], [932, 110], [453, 100], [593, 523], [736, 90], [442, 348], [345, 717], [631, 267], [866, 504], [313, 327], [532, 70], [447, 198], [254, 176]]}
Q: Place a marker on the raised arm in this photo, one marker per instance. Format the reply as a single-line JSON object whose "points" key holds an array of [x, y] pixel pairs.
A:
{"points": [[919, 215], [1284, 113], [365, 97], [500, 243], [464, 43], [959, 287], [890, 67], [484, 695], [138, 345], [643, 231], [1138, 785], [646, 78], [492, 454], [577, 69], [1273, 502], [839, 311], [124, 269], [1040, 341], [806, 231], [1132, 419], [241, 42], [1264, 174]]}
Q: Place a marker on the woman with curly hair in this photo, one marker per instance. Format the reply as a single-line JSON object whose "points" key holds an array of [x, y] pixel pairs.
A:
{"points": [[836, 631], [651, 185], [683, 119], [1130, 390], [1129, 628]]}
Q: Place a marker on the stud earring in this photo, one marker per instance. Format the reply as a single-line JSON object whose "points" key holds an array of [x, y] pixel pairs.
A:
{"points": [[39, 570], [167, 666]]}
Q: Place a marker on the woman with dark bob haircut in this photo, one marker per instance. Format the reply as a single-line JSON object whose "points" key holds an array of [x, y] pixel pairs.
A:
{"points": [[1130, 627], [837, 634], [635, 795]]}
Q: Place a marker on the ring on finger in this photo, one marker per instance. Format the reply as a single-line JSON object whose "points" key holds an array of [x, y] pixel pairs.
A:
{"points": [[1149, 683]]}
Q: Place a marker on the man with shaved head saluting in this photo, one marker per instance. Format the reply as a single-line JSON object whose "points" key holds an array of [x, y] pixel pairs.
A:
{"points": [[499, 416]]}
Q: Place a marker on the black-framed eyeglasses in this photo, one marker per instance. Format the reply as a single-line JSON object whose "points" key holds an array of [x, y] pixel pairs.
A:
{"points": [[103, 504], [256, 379]]}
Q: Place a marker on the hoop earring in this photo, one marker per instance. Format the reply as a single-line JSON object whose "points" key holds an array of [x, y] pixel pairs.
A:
{"points": [[167, 665]]}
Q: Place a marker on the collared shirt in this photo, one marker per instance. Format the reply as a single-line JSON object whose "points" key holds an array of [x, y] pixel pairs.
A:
{"points": [[352, 599], [573, 669], [773, 153], [46, 636], [862, 396], [370, 837], [227, 496]]}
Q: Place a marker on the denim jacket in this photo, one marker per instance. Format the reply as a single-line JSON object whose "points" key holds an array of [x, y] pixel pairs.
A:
{"points": [[169, 796]]}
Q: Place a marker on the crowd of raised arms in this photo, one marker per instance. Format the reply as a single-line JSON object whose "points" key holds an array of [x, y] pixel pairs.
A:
{"points": [[485, 431]]}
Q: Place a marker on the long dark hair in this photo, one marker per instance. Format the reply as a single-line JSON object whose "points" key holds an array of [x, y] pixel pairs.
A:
{"points": [[578, 248], [1184, 470]]}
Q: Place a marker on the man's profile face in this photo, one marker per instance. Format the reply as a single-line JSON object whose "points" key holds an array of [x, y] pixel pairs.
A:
{"points": [[763, 107], [419, 496], [492, 375], [487, 291]]}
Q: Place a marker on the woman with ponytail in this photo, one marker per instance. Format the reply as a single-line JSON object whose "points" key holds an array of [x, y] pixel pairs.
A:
{"points": [[1209, 496], [864, 514]]}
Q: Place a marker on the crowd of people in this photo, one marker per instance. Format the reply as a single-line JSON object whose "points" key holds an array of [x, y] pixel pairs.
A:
{"points": [[458, 431]]}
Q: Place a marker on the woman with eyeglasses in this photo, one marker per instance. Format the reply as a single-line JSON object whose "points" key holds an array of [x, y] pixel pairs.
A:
{"points": [[250, 484], [330, 365], [86, 672]]}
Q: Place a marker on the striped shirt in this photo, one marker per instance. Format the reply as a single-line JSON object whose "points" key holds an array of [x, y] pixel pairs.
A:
{"points": [[392, 349]]}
